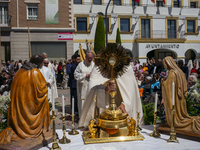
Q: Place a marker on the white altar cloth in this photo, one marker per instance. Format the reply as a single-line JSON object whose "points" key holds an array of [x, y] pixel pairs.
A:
{"points": [[149, 143]]}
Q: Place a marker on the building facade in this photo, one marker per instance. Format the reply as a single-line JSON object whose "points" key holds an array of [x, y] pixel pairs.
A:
{"points": [[35, 26], [149, 29]]}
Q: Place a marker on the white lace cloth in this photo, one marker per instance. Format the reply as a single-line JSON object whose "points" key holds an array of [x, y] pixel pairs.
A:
{"points": [[149, 143]]}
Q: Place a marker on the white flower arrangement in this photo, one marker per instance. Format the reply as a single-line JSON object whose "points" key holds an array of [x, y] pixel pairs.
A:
{"points": [[4, 104], [195, 94], [193, 100]]}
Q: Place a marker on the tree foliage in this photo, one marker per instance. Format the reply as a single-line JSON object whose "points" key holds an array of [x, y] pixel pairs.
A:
{"points": [[99, 41], [118, 38]]}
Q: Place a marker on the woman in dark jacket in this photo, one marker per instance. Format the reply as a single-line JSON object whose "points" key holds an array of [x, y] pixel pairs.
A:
{"points": [[60, 74]]}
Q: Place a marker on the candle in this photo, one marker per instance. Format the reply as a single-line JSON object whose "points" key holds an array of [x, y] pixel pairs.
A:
{"points": [[72, 106], [173, 92], [63, 102], [156, 101], [53, 99]]}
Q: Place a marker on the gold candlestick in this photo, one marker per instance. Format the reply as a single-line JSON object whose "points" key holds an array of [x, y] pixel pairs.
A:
{"points": [[172, 137], [154, 133], [138, 121], [73, 131], [55, 145], [136, 132], [64, 139]]}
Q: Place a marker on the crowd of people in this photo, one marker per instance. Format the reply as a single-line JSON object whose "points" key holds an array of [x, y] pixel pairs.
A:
{"points": [[75, 75], [9, 69], [150, 75]]}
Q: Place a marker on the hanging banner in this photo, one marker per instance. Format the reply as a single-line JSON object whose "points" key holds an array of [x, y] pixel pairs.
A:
{"points": [[51, 11]]}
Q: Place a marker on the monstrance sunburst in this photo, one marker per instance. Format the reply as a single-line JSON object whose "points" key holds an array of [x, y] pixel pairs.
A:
{"points": [[113, 61]]}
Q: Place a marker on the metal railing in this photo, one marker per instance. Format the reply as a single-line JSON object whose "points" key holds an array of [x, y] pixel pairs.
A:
{"points": [[134, 5], [5, 20], [159, 34]]}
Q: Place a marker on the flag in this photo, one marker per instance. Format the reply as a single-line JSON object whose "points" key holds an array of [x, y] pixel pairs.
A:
{"points": [[137, 1], [82, 53], [153, 1], [178, 1], [92, 49], [164, 1]]}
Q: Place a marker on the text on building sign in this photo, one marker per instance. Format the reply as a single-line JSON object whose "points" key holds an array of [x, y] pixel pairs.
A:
{"points": [[162, 46]]}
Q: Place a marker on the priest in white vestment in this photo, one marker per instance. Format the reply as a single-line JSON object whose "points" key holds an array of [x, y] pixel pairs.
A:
{"points": [[44, 55], [47, 75], [82, 75], [127, 96]]}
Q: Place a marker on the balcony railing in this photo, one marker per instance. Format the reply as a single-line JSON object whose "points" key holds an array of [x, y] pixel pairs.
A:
{"points": [[5, 20], [129, 4], [159, 34]]}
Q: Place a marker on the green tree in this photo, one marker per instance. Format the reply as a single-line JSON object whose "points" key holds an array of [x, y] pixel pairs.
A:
{"points": [[99, 41], [118, 38]]}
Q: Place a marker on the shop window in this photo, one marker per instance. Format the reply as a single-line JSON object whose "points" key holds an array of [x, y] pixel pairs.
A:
{"points": [[77, 1], [32, 11], [117, 2], [159, 3], [171, 28], [55, 50], [81, 23], [134, 3], [125, 24], [191, 26], [145, 28], [193, 5], [97, 2], [4, 14]]}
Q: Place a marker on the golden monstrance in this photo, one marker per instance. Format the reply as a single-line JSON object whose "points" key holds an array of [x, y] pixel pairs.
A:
{"points": [[112, 125]]}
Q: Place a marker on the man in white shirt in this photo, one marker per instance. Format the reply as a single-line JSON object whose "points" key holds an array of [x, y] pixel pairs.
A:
{"points": [[20, 64], [82, 75]]}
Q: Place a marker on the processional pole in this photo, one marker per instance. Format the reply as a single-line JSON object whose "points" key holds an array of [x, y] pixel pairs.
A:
{"points": [[106, 22]]}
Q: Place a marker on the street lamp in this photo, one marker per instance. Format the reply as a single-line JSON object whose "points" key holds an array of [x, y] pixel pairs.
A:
{"points": [[106, 22], [100, 13], [93, 18], [136, 19]]}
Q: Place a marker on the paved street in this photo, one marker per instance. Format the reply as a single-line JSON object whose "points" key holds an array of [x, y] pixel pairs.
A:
{"points": [[58, 103]]}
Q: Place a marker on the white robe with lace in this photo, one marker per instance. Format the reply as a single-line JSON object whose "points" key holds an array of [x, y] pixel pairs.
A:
{"points": [[48, 77], [127, 92], [82, 82], [54, 80]]}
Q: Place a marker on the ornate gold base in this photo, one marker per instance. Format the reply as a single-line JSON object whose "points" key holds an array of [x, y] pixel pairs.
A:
{"points": [[104, 137], [154, 134], [139, 128], [64, 140], [55, 146], [73, 132], [172, 138]]}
